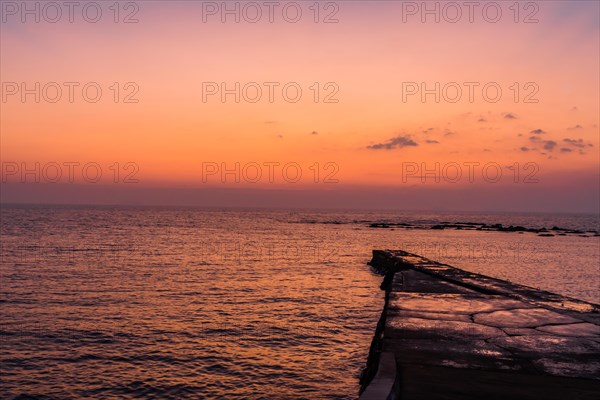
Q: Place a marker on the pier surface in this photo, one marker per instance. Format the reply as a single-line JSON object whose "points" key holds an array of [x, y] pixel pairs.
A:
{"points": [[450, 334]]}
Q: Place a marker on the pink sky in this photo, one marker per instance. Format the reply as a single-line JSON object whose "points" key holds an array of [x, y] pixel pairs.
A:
{"points": [[365, 137]]}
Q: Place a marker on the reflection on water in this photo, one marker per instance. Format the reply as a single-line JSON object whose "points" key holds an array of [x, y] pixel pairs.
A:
{"points": [[100, 302]]}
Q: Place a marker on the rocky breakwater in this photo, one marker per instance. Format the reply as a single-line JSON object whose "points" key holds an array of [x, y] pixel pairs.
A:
{"points": [[450, 334]]}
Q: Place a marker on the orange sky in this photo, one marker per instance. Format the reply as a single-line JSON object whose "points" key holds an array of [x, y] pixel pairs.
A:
{"points": [[370, 54]]}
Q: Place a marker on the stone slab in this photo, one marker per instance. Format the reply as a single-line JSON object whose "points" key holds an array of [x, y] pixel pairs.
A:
{"points": [[459, 335]]}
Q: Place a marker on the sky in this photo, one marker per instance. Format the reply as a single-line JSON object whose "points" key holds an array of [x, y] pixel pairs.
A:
{"points": [[348, 104]]}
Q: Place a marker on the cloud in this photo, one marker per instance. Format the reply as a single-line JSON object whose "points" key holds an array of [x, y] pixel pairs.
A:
{"points": [[510, 116], [565, 150], [538, 131], [432, 142], [448, 132], [482, 120], [574, 128], [549, 145], [577, 143], [280, 136], [314, 133], [270, 122], [397, 142], [524, 148]]}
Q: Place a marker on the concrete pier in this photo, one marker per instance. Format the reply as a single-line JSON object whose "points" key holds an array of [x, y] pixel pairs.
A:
{"points": [[450, 334]]}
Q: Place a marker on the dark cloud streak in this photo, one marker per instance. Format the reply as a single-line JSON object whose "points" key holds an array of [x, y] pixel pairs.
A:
{"points": [[397, 142]]}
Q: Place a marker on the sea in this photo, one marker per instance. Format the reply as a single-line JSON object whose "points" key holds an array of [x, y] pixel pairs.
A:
{"points": [[176, 303]]}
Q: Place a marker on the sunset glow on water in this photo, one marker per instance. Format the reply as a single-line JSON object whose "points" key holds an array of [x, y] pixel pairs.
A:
{"points": [[131, 302]]}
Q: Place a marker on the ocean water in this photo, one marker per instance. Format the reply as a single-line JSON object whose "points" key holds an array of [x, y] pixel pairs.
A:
{"points": [[108, 302]]}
